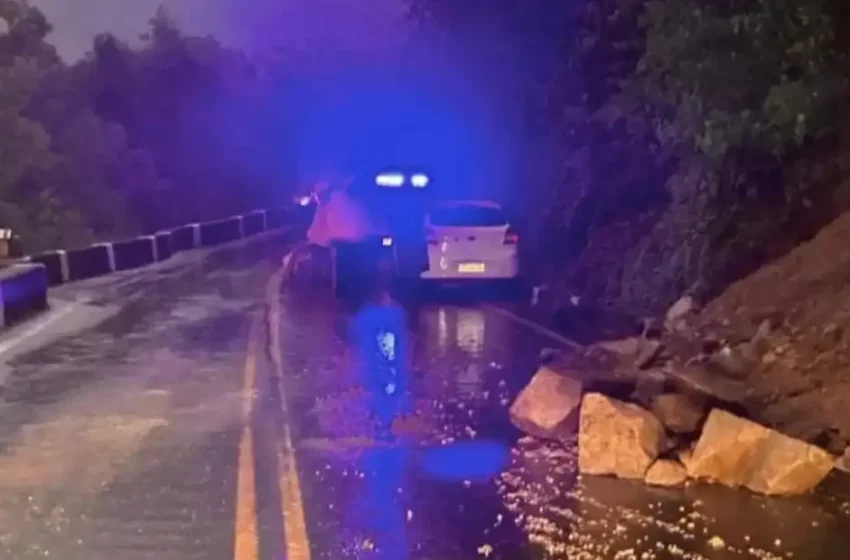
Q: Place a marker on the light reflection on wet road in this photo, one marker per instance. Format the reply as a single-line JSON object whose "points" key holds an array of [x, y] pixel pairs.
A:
{"points": [[456, 484], [430, 494]]}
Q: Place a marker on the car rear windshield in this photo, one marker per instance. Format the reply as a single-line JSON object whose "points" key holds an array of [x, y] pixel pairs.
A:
{"points": [[468, 216]]}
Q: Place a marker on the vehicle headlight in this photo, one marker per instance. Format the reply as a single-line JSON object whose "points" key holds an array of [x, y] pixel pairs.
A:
{"points": [[420, 180]]}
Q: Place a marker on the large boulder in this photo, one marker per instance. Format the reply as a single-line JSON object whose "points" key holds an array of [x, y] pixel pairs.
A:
{"points": [[738, 452], [617, 438], [681, 414], [548, 406]]}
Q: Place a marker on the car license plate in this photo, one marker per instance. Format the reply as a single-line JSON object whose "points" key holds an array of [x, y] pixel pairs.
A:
{"points": [[471, 268]]}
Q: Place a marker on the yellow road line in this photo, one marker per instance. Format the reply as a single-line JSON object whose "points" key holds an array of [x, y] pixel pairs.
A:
{"points": [[247, 538], [296, 540]]}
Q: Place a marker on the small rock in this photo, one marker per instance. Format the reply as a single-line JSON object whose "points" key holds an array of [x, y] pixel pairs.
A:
{"points": [[681, 414], [765, 328], [648, 353], [651, 328], [673, 444], [833, 333], [682, 307], [694, 378], [548, 355], [710, 345], [717, 543], [732, 362], [761, 341], [617, 438], [545, 407], [648, 385], [625, 347], [738, 452], [666, 473], [769, 319]]}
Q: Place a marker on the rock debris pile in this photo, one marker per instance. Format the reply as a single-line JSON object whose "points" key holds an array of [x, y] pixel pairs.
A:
{"points": [[673, 405]]}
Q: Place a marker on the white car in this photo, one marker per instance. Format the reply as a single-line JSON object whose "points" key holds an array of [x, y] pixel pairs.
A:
{"points": [[470, 240]]}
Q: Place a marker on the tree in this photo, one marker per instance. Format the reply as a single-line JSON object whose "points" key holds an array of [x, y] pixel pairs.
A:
{"points": [[24, 144], [731, 89], [26, 29], [130, 140]]}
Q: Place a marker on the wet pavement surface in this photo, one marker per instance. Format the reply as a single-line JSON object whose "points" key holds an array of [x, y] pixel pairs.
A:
{"points": [[458, 482], [127, 441], [119, 442]]}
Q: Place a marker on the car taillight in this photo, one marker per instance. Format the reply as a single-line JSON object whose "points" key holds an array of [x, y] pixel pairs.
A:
{"points": [[511, 237]]}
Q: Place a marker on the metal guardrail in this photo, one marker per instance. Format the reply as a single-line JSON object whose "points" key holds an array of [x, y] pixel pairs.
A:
{"points": [[24, 284], [127, 254]]}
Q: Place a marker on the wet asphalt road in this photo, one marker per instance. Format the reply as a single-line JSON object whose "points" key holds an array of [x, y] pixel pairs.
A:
{"points": [[128, 441], [120, 442]]}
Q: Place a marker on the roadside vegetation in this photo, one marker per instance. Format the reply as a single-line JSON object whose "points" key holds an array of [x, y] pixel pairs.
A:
{"points": [[131, 140]]}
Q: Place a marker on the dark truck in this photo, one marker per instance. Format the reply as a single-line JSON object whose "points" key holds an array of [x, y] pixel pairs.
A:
{"points": [[398, 201]]}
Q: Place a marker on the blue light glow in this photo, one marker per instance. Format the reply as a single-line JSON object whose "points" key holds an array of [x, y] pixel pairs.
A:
{"points": [[386, 341], [478, 461], [390, 180], [420, 181], [387, 241], [377, 511]]}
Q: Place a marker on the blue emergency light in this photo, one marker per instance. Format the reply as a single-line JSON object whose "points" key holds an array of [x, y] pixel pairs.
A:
{"points": [[398, 180], [393, 180]]}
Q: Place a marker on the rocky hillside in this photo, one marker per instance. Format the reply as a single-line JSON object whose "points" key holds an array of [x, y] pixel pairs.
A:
{"points": [[713, 392], [787, 329], [774, 345]]}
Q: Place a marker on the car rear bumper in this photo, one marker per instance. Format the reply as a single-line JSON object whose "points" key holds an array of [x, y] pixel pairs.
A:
{"points": [[501, 269]]}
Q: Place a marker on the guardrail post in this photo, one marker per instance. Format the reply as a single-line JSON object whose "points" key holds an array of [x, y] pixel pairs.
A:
{"points": [[110, 253], [265, 221], [241, 226], [196, 235], [154, 249], [63, 265]]}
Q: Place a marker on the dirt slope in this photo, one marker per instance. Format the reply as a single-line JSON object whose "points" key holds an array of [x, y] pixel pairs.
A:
{"points": [[802, 384]]}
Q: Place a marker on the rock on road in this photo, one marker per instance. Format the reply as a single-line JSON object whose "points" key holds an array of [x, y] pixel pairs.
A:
{"points": [[194, 424]]}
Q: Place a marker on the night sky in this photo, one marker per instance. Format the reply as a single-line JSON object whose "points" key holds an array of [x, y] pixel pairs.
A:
{"points": [[258, 25]]}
